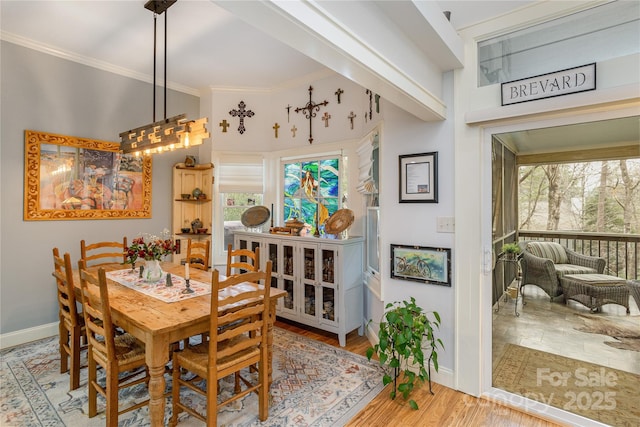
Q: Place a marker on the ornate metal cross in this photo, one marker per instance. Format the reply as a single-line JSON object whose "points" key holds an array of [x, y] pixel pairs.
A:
{"points": [[311, 110], [338, 93], [276, 127], [293, 130], [224, 124], [370, 93], [288, 107], [241, 113]]}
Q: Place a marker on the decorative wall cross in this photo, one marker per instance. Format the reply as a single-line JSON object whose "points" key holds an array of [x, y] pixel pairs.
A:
{"points": [[326, 118], [288, 111], [275, 128], [310, 110], [338, 93], [351, 116], [224, 124], [293, 130], [377, 103], [370, 93], [241, 113]]}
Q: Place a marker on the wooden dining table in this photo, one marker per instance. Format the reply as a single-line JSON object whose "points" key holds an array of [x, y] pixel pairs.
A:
{"points": [[159, 324]]}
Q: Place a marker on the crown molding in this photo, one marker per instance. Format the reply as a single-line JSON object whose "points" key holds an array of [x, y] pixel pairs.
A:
{"points": [[90, 62]]}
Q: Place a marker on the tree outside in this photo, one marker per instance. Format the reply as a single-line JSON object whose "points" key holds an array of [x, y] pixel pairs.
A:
{"points": [[602, 197]]}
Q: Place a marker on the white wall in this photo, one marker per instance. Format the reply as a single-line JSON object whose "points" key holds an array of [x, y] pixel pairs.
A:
{"points": [[415, 223], [45, 93]]}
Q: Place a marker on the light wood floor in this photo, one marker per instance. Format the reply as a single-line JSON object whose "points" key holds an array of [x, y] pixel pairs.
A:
{"points": [[445, 408]]}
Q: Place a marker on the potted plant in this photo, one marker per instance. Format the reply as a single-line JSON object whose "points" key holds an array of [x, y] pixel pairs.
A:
{"points": [[511, 250], [407, 344]]}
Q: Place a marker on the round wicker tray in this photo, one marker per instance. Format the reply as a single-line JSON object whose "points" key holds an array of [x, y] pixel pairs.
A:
{"points": [[255, 216], [339, 221]]}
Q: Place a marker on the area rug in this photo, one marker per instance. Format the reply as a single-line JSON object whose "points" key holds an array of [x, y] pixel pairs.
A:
{"points": [[603, 394], [314, 384], [627, 336]]}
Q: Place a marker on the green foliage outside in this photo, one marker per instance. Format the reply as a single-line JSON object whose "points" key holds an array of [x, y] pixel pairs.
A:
{"points": [[602, 196]]}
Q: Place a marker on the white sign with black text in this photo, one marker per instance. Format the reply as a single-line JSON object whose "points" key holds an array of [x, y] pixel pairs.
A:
{"points": [[572, 80]]}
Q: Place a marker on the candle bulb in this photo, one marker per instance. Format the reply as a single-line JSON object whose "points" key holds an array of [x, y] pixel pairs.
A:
{"points": [[186, 271]]}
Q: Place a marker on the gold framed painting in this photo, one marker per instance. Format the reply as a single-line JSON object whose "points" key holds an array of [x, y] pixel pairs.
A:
{"points": [[69, 177]]}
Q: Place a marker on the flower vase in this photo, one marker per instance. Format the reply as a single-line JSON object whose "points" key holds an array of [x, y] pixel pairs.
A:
{"points": [[152, 270]]}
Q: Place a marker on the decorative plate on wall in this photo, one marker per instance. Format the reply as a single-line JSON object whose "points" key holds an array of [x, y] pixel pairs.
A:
{"points": [[339, 221], [255, 216]]}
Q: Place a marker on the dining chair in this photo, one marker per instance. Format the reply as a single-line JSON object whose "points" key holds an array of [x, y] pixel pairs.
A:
{"points": [[71, 327], [116, 354], [237, 340], [101, 253], [242, 260], [198, 253]]}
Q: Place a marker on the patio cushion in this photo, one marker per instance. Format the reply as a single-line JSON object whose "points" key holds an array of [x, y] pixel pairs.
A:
{"points": [[563, 269], [549, 250]]}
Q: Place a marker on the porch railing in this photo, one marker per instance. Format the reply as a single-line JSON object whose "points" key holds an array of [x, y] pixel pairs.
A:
{"points": [[621, 251]]}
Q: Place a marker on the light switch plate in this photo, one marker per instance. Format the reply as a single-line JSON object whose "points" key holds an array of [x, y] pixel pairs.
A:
{"points": [[445, 224]]}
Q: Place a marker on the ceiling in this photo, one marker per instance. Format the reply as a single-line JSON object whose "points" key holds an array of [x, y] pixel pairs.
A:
{"points": [[209, 47]]}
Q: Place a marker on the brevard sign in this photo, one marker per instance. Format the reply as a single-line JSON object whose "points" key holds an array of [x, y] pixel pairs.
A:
{"points": [[564, 82]]}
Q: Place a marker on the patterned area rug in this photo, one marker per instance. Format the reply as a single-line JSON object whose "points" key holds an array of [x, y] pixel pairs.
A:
{"points": [[603, 394], [314, 384]]}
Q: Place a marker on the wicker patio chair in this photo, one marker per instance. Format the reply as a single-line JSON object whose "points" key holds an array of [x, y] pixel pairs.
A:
{"points": [[543, 263]]}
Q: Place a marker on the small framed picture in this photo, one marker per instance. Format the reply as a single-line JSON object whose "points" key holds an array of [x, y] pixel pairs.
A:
{"points": [[421, 264], [419, 178]]}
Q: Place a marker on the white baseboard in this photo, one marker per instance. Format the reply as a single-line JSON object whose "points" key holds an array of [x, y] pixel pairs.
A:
{"points": [[444, 376], [22, 336]]}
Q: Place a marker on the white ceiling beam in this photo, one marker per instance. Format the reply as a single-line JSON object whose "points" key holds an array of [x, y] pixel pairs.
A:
{"points": [[332, 37]]}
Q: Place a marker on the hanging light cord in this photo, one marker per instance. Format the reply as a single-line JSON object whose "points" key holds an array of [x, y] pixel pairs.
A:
{"points": [[155, 16], [155, 26], [166, 12]]}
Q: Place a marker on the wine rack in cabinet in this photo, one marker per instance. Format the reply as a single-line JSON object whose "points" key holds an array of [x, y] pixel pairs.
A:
{"points": [[322, 278], [192, 207]]}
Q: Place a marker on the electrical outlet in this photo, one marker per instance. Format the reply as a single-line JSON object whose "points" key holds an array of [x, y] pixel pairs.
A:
{"points": [[445, 224]]}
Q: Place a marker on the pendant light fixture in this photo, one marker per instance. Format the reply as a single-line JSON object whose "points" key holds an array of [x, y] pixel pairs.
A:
{"points": [[170, 133]]}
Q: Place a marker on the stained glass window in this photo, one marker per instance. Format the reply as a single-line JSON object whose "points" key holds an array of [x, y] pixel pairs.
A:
{"points": [[311, 191]]}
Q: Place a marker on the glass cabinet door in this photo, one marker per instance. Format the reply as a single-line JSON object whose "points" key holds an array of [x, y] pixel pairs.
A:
{"points": [[286, 273], [328, 304], [328, 285], [309, 279], [272, 255]]}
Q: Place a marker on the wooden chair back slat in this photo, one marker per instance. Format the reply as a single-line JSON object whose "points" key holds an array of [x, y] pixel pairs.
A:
{"points": [[97, 312], [63, 274], [101, 253], [249, 319], [198, 253], [242, 260]]}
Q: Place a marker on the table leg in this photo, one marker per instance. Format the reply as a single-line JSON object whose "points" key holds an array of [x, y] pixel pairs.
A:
{"points": [[157, 356], [272, 320]]}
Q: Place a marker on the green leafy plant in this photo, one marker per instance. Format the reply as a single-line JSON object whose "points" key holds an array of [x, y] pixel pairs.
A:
{"points": [[511, 248], [406, 335]]}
